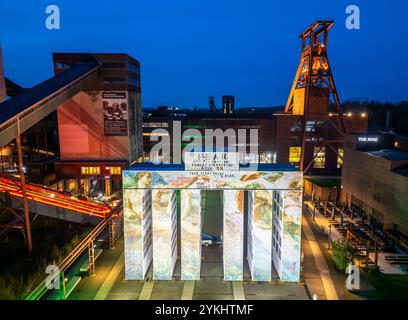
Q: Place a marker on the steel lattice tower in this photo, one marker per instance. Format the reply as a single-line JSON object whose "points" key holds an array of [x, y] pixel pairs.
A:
{"points": [[313, 95]]}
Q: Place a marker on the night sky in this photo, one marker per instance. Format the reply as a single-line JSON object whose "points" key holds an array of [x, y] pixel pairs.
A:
{"points": [[191, 49]]}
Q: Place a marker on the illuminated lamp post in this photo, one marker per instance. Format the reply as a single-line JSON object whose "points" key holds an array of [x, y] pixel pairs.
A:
{"points": [[314, 212], [330, 237]]}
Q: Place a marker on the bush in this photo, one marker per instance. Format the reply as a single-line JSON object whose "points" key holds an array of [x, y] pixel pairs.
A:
{"points": [[344, 253], [17, 287]]}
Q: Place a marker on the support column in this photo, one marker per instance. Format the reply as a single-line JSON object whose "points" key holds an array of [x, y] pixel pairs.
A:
{"points": [[86, 186], [23, 191], [277, 222], [291, 236], [164, 214], [108, 187], [60, 185], [190, 221], [233, 235], [260, 234], [66, 185], [137, 230], [91, 258], [111, 234]]}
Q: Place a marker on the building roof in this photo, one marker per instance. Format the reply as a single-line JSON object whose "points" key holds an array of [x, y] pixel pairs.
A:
{"points": [[324, 182], [390, 154], [402, 170]]}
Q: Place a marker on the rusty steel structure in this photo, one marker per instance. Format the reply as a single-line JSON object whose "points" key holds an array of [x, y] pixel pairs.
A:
{"points": [[314, 98]]}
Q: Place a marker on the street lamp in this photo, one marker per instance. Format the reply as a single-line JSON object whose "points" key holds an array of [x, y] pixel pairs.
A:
{"points": [[314, 211], [330, 236]]}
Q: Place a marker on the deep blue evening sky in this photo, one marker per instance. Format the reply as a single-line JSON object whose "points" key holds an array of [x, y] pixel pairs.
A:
{"points": [[191, 49]]}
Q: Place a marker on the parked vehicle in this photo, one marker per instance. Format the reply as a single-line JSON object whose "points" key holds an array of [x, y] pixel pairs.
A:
{"points": [[210, 240]]}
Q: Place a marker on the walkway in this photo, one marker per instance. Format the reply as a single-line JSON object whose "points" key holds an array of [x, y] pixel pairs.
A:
{"points": [[323, 221], [320, 261]]}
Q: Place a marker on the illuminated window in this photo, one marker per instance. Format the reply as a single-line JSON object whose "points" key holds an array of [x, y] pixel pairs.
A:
{"points": [[340, 157], [90, 170], [296, 126], [152, 125], [115, 170], [155, 134], [320, 157], [294, 154]]}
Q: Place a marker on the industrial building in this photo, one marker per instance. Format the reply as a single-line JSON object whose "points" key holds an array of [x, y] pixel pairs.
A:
{"points": [[228, 104], [375, 181], [99, 128], [279, 134]]}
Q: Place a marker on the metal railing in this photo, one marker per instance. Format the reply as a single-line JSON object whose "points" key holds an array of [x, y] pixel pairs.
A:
{"points": [[86, 244]]}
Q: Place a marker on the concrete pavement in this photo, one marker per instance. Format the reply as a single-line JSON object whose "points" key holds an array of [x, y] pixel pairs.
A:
{"points": [[320, 261]]}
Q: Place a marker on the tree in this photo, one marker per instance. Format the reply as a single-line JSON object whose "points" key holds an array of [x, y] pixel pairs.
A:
{"points": [[344, 253]]}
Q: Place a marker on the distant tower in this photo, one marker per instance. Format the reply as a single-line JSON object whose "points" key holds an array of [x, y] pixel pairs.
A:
{"points": [[2, 81], [211, 105], [228, 104], [314, 97]]}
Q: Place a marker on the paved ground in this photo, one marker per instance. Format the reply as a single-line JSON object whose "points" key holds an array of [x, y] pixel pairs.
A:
{"points": [[109, 282], [338, 277], [320, 262]]}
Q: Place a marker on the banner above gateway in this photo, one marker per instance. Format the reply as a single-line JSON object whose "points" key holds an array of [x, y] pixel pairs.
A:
{"points": [[211, 161]]}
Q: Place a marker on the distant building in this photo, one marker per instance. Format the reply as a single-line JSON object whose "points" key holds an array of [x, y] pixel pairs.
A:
{"points": [[262, 121], [228, 104], [100, 128], [278, 134], [375, 180]]}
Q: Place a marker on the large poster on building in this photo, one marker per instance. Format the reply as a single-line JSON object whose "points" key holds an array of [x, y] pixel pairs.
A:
{"points": [[248, 180], [164, 241], [233, 234], [262, 236], [190, 234], [115, 113], [291, 239], [136, 233], [211, 161]]}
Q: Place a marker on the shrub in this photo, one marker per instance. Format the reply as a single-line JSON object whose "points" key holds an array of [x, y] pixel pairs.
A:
{"points": [[344, 253], [14, 288]]}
